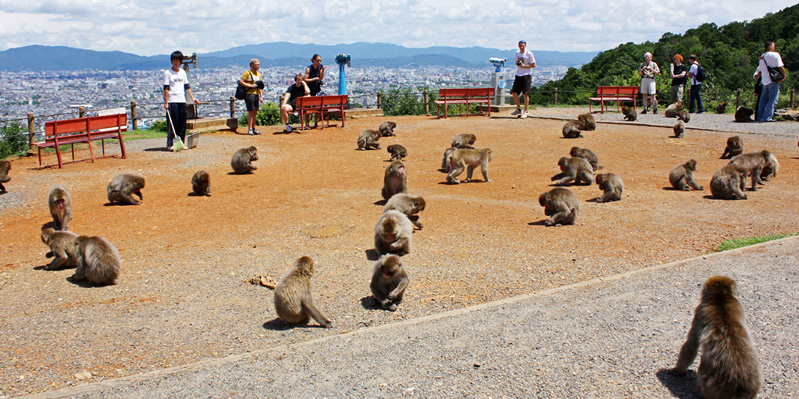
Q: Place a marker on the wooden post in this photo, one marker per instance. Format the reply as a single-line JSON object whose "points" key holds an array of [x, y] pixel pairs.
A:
{"points": [[556, 96], [426, 103], [81, 112], [379, 100], [738, 98], [31, 130], [232, 107], [134, 122], [793, 96]]}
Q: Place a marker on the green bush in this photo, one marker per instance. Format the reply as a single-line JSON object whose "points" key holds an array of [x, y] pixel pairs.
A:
{"points": [[159, 125], [268, 115], [13, 140], [406, 101]]}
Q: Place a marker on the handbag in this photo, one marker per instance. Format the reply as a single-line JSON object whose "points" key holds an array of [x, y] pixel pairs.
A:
{"points": [[241, 91], [775, 74]]}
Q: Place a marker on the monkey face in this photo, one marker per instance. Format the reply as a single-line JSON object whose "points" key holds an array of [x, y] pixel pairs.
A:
{"points": [[59, 203]]}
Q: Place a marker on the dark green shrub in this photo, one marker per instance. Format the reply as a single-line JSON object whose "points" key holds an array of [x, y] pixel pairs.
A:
{"points": [[13, 140]]}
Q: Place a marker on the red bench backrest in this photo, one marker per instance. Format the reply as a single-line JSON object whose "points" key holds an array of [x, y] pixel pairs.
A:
{"points": [[107, 121], [334, 101], [607, 91], [449, 93], [628, 90], [309, 102], [480, 91]]}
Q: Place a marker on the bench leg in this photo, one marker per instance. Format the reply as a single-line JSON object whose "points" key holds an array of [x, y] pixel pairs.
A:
{"points": [[91, 152], [122, 145]]}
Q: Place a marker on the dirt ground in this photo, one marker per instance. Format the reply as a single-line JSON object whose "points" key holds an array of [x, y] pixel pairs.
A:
{"points": [[183, 295]]}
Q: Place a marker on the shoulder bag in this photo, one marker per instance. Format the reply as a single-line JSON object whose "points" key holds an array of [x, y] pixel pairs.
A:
{"points": [[775, 74]]}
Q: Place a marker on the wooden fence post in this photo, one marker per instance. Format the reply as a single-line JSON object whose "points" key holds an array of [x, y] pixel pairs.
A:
{"points": [[426, 104], [133, 119], [81, 112], [379, 100], [232, 107], [793, 96], [738, 98], [31, 130], [556, 96]]}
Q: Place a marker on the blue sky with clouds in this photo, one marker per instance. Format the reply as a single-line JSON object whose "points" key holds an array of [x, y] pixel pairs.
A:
{"points": [[149, 27]]}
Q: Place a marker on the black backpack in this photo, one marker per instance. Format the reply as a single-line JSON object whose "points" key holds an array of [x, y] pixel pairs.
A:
{"points": [[700, 73]]}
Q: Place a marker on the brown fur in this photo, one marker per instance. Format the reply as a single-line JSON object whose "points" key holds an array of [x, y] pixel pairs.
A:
{"points": [[679, 129], [681, 177], [673, 110], [98, 262], [734, 147], [684, 116], [729, 182], [587, 122], [386, 129], [368, 140], [293, 298], [445, 165], [393, 233], [408, 204], [464, 140], [721, 107], [5, 167], [389, 281], [60, 203], [397, 151], [560, 205], [754, 163], [394, 179], [612, 184], [574, 170], [571, 130], [460, 159], [123, 186], [588, 155], [743, 114], [63, 246], [201, 183], [242, 160], [629, 113]]}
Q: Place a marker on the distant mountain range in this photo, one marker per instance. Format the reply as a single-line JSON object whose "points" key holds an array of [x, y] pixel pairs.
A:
{"points": [[58, 58]]}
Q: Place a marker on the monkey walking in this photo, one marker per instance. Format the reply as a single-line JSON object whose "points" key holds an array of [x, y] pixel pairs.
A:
{"points": [[60, 203], [389, 282], [397, 152], [460, 159], [728, 366], [754, 163], [123, 186], [293, 298]]}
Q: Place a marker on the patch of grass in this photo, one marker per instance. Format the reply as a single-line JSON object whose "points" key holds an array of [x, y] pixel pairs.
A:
{"points": [[745, 242]]}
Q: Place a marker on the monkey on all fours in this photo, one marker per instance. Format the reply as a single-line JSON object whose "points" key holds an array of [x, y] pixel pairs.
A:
{"points": [[294, 302], [560, 205], [393, 233], [122, 187], [588, 155], [753, 163], [728, 366], [471, 158], [242, 160], [574, 170], [98, 261], [735, 146], [571, 130], [389, 282], [60, 204], [587, 122], [387, 129], [368, 140], [63, 246], [681, 177], [5, 166], [397, 151], [612, 185], [629, 113], [464, 140], [408, 204], [447, 155], [729, 182], [201, 183], [394, 180]]}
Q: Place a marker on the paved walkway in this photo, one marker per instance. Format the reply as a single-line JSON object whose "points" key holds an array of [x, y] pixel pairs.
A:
{"points": [[608, 338]]}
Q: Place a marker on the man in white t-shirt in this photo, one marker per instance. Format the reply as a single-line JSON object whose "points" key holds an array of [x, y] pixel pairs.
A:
{"points": [[176, 85], [695, 98], [771, 89], [525, 61]]}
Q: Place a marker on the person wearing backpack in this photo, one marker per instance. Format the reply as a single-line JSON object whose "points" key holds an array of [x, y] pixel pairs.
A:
{"points": [[697, 76], [771, 88]]}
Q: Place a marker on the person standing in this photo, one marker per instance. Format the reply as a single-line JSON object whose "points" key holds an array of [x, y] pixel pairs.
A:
{"points": [[289, 101], [176, 85], [254, 82], [648, 70], [696, 86], [678, 72], [525, 62], [314, 76], [771, 88]]}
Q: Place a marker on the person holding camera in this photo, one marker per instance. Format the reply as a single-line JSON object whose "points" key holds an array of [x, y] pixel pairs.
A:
{"points": [[525, 62], [771, 88], [648, 70], [254, 83]]}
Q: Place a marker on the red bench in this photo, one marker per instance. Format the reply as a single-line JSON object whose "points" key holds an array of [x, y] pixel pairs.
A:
{"points": [[83, 130], [614, 93], [464, 96], [321, 105]]}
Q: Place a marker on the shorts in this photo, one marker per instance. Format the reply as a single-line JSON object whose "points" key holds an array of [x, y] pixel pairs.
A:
{"points": [[521, 85], [253, 102], [647, 86]]}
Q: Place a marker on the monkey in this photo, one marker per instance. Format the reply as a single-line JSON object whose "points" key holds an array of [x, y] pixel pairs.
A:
{"points": [[368, 139], [586, 154], [587, 121], [673, 110], [397, 151], [735, 146], [122, 186], [754, 163], [574, 170], [387, 129], [60, 204], [5, 167], [681, 177], [293, 298], [560, 205], [571, 129], [389, 282], [445, 162], [684, 116], [471, 157], [721, 107], [679, 129], [63, 246], [201, 183], [242, 160], [98, 261], [408, 204], [464, 140], [629, 113], [612, 184], [729, 366], [393, 233], [394, 180], [743, 114], [770, 170], [729, 182]]}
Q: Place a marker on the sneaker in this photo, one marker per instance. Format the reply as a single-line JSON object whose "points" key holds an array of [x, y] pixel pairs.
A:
{"points": [[523, 115], [517, 111], [701, 112], [251, 132], [288, 128], [169, 148], [643, 112], [255, 132], [654, 111]]}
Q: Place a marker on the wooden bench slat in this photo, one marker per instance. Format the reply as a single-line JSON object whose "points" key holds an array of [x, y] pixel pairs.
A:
{"points": [[470, 95], [83, 130]]}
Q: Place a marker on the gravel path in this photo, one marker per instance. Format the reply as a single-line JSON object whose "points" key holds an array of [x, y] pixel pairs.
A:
{"points": [[610, 337]]}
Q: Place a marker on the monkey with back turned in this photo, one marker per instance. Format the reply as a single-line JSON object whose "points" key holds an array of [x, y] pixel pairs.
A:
{"points": [[293, 299]]}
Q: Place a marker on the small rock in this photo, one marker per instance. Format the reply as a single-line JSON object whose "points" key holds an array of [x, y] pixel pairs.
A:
{"points": [[83, 375]]}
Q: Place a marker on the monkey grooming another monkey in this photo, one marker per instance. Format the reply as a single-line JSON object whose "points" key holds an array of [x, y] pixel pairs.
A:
{"points": [[560, 205], [397, 151], [729, 182], [673, 110], [293, 298], [242, 160], [460, 159], [588, 155], [743, 114], [201, 183], [98, 261], [5, 166], [681, 177], [394, 180], [612, 184], [464, 140], [679, 129], [393, 233], [368, 140], [387, 129], [121, 188], [588, 122], [63, 246], [753, 164], [629, 113], [60, 204], [571, 129], [574, 170], [389, 282], [408, 204], [729, 366], [734, 147]]}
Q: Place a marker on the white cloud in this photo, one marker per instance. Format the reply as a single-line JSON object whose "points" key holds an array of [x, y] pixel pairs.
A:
{"points": [[148, 27]]}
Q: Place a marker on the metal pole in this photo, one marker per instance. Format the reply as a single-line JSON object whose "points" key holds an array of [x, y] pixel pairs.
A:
{"points": [[133, 118], [31, 130]]}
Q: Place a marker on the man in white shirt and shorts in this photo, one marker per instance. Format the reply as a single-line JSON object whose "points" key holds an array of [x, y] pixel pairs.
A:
{"points": [[525, 61]]}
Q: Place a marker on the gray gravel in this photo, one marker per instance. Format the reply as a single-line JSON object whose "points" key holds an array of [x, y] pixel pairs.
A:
{"points": [[610, 337]]}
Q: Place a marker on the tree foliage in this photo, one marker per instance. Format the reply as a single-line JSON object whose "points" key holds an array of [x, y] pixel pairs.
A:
{"points": [[13, 140]]}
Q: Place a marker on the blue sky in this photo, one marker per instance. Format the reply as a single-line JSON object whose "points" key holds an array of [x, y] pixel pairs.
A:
{"points": [[149, 27]]}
